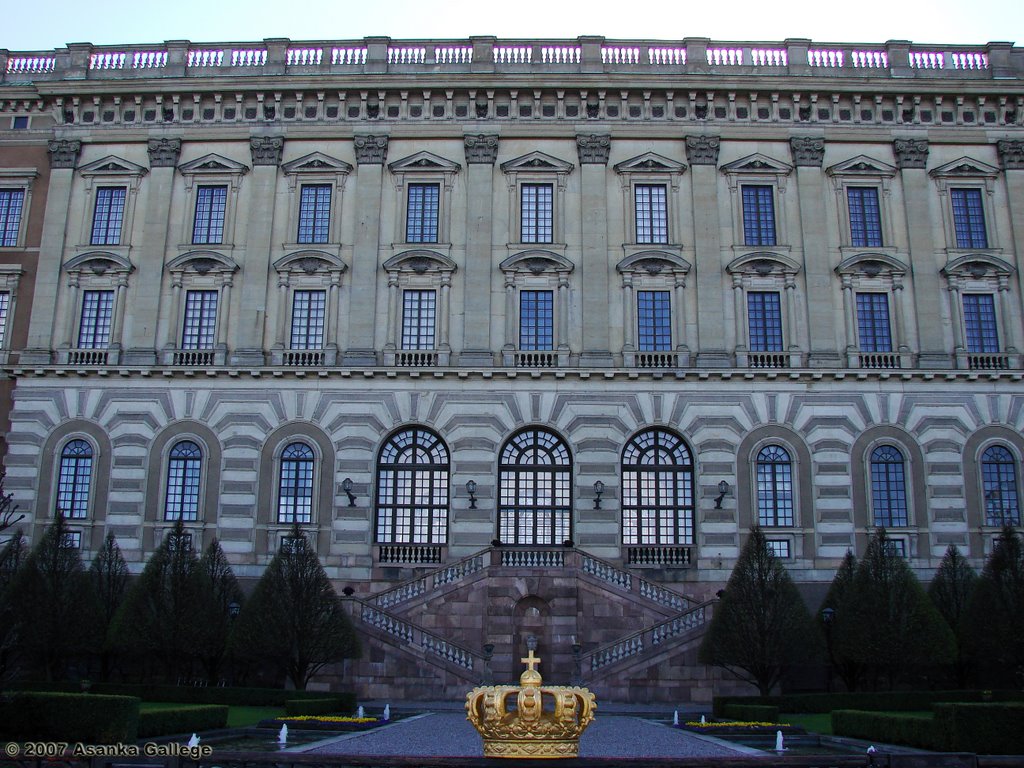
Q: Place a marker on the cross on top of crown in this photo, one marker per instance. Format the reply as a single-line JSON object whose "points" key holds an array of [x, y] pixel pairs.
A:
{"points": [[531, 661]]}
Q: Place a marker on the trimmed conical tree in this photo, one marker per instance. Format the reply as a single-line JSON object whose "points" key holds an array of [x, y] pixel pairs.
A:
{"points": [[11, 558], [888, 623], [996, 610], [294, 618], [950, 592], [848, 669], [227, 598], [761, 625], [109, 574]]}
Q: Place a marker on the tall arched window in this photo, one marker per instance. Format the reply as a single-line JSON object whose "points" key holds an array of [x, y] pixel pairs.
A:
{"points": [[412, 489], [999, 482], [888, 487], [184, 469], [774, 487], [295, 489], [74, 479], [535, 493], [657, 490]]}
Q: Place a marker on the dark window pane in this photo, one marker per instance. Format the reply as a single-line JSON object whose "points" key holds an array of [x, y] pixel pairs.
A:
{"points": [[314, 213], [764, 315], [108, 215], [758, 215], [651, 213], [888, 488], [208, 226], [536, 213], [536, 321], [865, 217], [422, 213], [657, 490], [412, 489], [654, 321], [968, 218], [873, 322], [980, 322]]}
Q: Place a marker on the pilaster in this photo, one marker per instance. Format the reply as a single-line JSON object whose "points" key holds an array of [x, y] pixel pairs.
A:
{"points": [[481, 154], [594, 262], [1011, 155]]}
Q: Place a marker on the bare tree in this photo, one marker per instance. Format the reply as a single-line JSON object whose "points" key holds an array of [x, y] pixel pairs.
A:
{"points": [[9, 515]]}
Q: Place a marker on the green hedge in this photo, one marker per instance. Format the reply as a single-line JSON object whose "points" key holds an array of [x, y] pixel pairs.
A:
{"points": [[751, 713], [888, 728], [82, 717], [297, 707], [985, 729], [187, 694], [888, 701], [165, 722]]}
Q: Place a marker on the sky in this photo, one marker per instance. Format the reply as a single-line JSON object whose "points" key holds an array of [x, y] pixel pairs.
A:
{"points": [[54, 23]]}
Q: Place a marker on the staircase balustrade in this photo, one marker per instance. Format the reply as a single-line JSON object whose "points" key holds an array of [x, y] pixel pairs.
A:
{"points": [[412, 634], [650, 637]]}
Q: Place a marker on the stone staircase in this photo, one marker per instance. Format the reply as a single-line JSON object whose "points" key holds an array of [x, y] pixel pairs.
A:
{"points": [[427, 634]]}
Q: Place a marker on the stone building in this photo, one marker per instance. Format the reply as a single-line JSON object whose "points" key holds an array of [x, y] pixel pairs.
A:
{"points": [[525, 335]]}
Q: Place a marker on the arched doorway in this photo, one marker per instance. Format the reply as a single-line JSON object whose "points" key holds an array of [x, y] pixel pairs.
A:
{"points": [[531, 617]]}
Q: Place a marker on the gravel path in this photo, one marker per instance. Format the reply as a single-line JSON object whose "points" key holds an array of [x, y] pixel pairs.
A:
{"points": [[451, 735]]}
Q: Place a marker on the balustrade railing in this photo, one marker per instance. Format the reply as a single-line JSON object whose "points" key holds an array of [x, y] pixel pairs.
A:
{"points": [[412, 634], [657, 359], [533, 558], [409, 554], [991, 361], [429, 582], [768, 359], [637, 643], [536, 359], [624, 580], [880, 360], [88, 357], [659, 557]]}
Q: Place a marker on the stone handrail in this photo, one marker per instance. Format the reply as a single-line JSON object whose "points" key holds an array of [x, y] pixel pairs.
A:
{"points": [[585, 55], [410, 633], [420, 585], [649, 637], [605, 571]]}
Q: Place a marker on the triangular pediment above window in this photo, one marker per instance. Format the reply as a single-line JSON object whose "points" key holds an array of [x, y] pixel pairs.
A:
{"points": [[424, 161], [316, 162], [212, 163], [537, 161], [111, 165], [650, 162], [758, 163], [861, 165], [965, 168]]}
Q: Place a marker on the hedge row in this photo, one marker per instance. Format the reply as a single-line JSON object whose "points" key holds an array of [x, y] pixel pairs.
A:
{"points": [[345, 703], [166, 722], [187, 694], [888, 728], [985, 729], [751, 713], [891, 701], [69, 717]]}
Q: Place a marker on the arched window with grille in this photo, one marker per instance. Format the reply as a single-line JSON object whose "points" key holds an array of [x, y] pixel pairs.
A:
{"points": [[657, 490], [889, 487], [295, 486], [184, 469], [535, 489], [999, 483], [774, 487], [74, 479], [412, 489]]}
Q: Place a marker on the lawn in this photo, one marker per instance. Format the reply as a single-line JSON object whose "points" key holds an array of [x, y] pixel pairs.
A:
{"points": [[821, 723], [238, 717]]}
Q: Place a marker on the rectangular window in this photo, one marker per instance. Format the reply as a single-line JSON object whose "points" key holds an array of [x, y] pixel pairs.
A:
{"points": [[97, 313], [419, 310], [5, 308], [968, 218], [200, 325], [651, 207], [654, 321], [536, 213], [873, 322], [72, 540], [779, 548], [108, 216], [11, 201], [308, 319], [536, 321], [980, 322], [758, 215], [314, 213], [421, 214], [764, 315], [865, 217], [208, 227]]}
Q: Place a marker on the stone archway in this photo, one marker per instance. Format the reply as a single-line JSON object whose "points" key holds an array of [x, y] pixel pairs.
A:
{"points": [[531, 617]]}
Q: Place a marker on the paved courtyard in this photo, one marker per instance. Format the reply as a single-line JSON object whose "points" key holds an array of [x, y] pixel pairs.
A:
{"points": [[449, 734]]}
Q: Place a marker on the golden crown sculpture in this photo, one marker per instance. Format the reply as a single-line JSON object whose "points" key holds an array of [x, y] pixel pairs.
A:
{"points": [[543, 722]]}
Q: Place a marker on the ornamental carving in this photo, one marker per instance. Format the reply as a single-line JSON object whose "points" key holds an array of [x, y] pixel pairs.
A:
{"points": [[482, 149], [163, 153], [808, 151], [594, 149], [371, 150], [266, 150], [702, 150], [911, 153], [1012, 154], [64, 152]]}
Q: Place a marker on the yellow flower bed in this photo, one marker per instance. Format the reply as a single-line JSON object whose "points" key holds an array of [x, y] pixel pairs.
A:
{"points": [[329, 719], [736, 724]]}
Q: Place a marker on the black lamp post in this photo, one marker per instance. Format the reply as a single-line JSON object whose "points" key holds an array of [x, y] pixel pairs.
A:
{"points": [[723, 489], [598, 490], [471, 490], [346, 486]]}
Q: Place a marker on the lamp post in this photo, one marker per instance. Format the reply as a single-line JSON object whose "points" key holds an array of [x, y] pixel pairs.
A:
{"points": [[828, 615], [471, 490], [723, 489]]}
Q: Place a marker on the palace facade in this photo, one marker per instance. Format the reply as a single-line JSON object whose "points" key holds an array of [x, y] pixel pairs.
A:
{"points": [[525, 335]]}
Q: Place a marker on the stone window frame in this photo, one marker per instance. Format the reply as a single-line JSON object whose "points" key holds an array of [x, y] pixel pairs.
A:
{"points": [[758, 170], [419, 269], [109, 171], [654, 270], [10, 279], [967, 173], [446, 467], [569, 467], [864, 171], [1016, 458], [19, 180], [980, 534], [537, 270], [210, 170], [981, 272], [537, 168], [316, 168], [199, 270], [680, 511], [95, 270], [307, 270], [876, 271], [647, 169], [764, 270], [424, 168]]}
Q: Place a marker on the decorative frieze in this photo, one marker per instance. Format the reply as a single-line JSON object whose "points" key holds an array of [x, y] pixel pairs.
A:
{"points": [[702, 150], [64, 152], [266, 150], [1011, 153], [594, 149], [164, 153], [481, 149], [370, 150], [807, 151], [911, 153]]}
